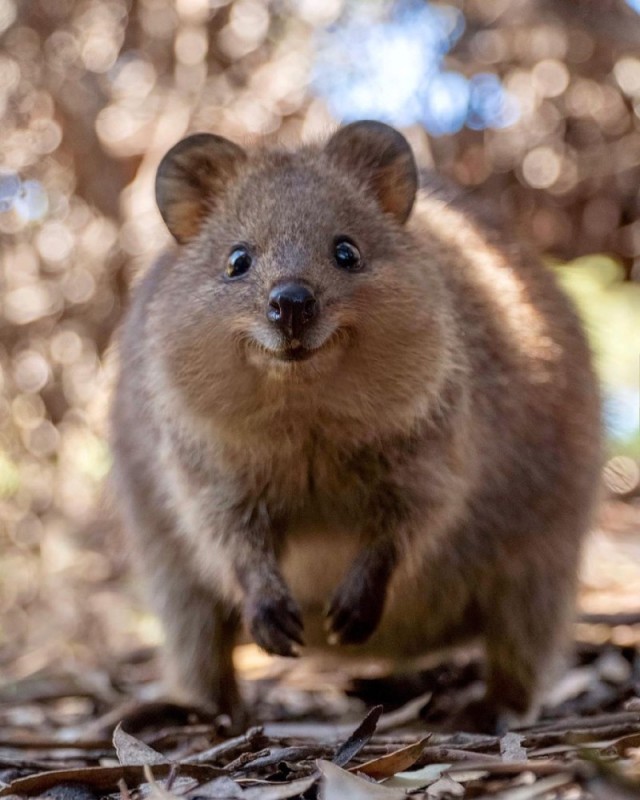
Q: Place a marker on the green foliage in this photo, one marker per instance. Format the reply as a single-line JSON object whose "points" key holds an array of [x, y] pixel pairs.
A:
{"points": [[610, 309], [9, 476]]}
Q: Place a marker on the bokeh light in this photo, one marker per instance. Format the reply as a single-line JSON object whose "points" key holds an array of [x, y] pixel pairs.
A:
{"points": [[531, 109], [386, 61]]}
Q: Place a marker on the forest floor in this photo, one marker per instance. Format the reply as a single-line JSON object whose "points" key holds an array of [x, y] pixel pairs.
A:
{"points": [[80, 729]]}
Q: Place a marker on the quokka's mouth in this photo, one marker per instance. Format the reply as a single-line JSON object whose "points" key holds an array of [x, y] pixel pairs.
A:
{"points": [[295, 352]]}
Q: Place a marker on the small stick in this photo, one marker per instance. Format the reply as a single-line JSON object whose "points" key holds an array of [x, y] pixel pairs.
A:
{"points": [[444, 755], [224, 747]]}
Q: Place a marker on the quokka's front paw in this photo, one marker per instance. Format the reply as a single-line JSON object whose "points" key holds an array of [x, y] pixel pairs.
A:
{"points": [[275, 622], [356, 608]]}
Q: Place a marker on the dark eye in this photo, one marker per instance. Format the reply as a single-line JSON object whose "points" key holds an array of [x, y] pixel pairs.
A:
{"points": [[347, 255], [239, 262]]}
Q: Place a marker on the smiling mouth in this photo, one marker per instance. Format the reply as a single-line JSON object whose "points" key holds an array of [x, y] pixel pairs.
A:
{"points": [[295, 352], [299, 353]]}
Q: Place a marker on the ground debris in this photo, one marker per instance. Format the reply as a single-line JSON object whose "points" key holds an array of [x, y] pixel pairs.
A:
{"points": [[586, 743]]}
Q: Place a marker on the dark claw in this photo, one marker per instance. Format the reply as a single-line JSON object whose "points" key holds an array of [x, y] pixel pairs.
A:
{"points": [[276, 625], [354, 612]]}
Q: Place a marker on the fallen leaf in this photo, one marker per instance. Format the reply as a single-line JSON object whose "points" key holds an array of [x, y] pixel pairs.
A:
{"points": [[71, 791], [613, 667], [389, 764], [156, 790], [278, 791], [132, 751], [408, 713], [511, 748], [540, 788], [574, 682], [419, 778], [601, 788], [220, 789], [358, 738], [105, 778], [470, 775], [338, 784], [625, 743], [445, 786]]}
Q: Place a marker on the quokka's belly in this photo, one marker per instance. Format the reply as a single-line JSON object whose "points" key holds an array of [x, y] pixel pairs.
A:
{"points": [[426, 607]]}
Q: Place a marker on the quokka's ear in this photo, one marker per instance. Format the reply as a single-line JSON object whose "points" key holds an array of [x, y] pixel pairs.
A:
{"points": [[189, 178], [382, 157]]}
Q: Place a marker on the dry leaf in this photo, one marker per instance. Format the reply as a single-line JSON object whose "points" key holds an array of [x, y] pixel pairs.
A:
{"points": [[220, 789], [574, 682], [156, 790], [389, 764], [358, 738], [466, 776], [613, 667], [104, 778], [625, 743], [445, 786], [419, 778], [511, 748], [132, 751], [408, 713], [278, 791], [540, 788], [338, 784]]}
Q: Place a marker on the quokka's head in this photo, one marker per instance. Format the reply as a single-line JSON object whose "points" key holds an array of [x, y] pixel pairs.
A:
{"points": [[292, 263]]}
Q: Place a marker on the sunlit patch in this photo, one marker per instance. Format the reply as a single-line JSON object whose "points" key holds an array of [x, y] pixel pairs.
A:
{"points": [[31, 202], [622, 411], [609, 306], [9, 476], [490, 106], [9, 190], [251, 661], [8, 13], [446, 105], [385, 61], [26, 200]]}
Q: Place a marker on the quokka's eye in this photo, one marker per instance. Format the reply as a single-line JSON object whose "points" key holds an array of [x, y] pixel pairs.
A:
{"points": [[346, 255], [239, 262]]}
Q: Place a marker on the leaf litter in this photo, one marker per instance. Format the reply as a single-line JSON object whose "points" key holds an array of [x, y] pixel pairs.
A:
{"points": [[586, 743]]}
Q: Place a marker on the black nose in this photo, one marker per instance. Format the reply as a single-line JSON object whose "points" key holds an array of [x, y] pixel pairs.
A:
{"points": [[292, 306]]}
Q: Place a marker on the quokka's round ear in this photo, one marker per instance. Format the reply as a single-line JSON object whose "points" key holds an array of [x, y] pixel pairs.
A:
{"points": [[189, 178], [382, 157]]}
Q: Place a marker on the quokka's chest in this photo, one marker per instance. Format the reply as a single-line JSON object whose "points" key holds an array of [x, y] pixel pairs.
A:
{"points": [[318, 548], [320, 479]]}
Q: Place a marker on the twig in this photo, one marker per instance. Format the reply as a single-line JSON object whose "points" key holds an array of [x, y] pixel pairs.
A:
{"points": [[572, 723], [244, 758], [224, 748], [286, 754], [623, 618], [445, 755]]}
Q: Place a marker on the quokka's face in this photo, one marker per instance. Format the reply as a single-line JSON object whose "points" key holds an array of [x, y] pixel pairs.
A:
{"points": [[290, 261], [292, 268]]}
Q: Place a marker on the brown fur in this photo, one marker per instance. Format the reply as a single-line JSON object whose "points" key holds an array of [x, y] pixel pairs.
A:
{"points": [[427, 474]]}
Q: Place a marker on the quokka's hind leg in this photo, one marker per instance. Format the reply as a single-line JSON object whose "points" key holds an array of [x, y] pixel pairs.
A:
{"points": [[200, 635], [528, 633]]}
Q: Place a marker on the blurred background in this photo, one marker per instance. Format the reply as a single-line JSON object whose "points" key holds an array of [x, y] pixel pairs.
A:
{"points": [[530, 105]]}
